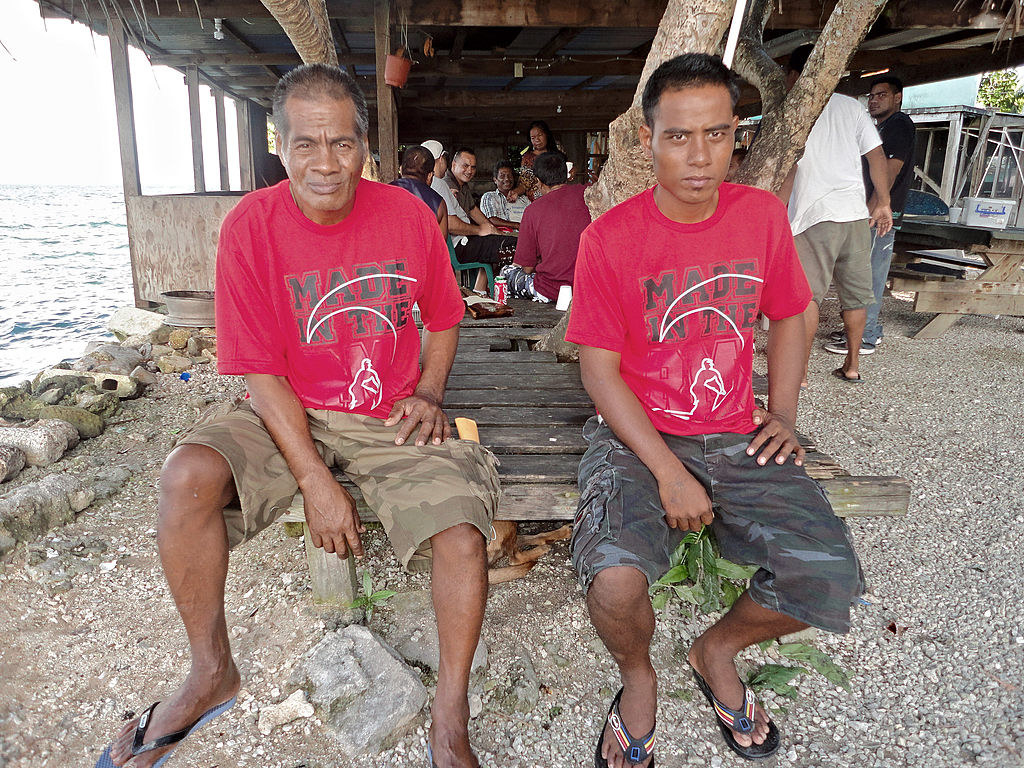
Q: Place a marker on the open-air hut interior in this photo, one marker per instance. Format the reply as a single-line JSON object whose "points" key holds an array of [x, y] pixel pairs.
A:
{"points": [[481, 71]]}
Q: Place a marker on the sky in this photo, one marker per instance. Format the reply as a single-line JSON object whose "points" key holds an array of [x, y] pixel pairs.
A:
{"points": [[58, 77]]}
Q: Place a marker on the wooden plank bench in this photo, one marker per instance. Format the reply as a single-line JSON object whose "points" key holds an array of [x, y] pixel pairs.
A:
{"points": [[530, 409]]}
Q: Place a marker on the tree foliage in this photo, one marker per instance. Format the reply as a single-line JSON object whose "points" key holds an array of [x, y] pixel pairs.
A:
{"points": [[1002, 91]]}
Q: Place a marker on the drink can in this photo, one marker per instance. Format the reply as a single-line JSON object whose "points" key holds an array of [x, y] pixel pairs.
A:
{"points": [[500, 290]]}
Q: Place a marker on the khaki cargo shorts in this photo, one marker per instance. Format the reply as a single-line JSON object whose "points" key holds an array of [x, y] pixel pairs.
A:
{"points": [[839, 251], [415, 491]]}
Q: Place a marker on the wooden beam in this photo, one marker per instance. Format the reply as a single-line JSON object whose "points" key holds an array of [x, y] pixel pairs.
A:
{"points": [[387, 119], [222, 140], [195, 122], [246, 176], [796, 14], [125, 109], [568, 100]]}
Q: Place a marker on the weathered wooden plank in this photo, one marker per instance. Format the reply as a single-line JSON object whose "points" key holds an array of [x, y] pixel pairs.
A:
{"points": [[461, 368], [387, 117], [520, 440], [508, 381], [514, 398], [333, 580], [523, 417], [858, 496], [496, 358], [192, 84], [961, 303]]}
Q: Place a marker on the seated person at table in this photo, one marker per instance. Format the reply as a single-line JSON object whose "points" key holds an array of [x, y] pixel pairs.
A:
{"points": [[417, 172], [495, 204], [549, 235], [476, 240], [667, 291]]}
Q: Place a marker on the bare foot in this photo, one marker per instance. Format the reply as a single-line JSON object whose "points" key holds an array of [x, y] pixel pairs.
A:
{"points": [[719, 671], [638, 708], [200, 692], [449, 734]]}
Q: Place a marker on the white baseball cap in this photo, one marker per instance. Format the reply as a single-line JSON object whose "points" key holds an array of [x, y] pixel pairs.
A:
{"points": [[434, 147]]}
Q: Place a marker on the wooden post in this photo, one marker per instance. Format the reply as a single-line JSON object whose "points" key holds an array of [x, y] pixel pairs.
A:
{"points": [[222, 140], [192, 81], [952, 159], [387, 119], [245, 167], [126, 137]]}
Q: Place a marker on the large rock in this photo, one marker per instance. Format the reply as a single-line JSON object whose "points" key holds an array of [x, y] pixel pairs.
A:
{"points": [[361, 689], [110, 358], [88, 424], [33, 509], [42, 442], [415, 632], [132, 321], [173, 364], [12, 461], [178, 338]]}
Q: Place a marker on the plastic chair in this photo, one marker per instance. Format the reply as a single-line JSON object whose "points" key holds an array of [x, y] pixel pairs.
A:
{"points": [[460, 267]]}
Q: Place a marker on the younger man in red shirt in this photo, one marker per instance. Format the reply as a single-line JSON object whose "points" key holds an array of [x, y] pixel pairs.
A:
{"points": [[667, 290]]}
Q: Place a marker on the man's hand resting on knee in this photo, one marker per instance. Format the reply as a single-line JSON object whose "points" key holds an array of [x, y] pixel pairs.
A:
{"points": [[777, 435], [424, 412], [686, 503], [331, 516]]}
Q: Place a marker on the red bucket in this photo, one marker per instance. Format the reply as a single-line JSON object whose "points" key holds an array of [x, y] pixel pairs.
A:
{"points": [[396, 70]]}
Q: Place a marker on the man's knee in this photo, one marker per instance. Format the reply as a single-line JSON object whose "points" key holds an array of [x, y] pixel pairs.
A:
{"points": [[461, 541], [616, 591], [195, 476]]}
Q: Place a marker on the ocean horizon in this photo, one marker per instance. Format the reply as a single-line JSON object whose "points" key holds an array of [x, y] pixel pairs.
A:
{"points": [[66, 268]]}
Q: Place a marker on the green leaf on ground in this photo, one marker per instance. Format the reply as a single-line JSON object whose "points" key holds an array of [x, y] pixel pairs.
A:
{"points": [[775, 677], [817, 660]]}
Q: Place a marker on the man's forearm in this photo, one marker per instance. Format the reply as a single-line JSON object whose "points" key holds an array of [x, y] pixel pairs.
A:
{"points": [[500, 222], [457, 226], [438, 354], [276, 403], [879, 173], [786, 340], [621, 409]]}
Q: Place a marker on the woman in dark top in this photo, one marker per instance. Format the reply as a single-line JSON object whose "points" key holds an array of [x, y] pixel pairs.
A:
{"points": [[541, 141]]}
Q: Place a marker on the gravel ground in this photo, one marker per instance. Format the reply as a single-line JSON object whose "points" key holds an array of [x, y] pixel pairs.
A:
{"points": [[91, 633]]}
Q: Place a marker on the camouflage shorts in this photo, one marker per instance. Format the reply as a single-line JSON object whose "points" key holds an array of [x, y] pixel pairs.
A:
{"points": [[415, 491], [774, 517]]}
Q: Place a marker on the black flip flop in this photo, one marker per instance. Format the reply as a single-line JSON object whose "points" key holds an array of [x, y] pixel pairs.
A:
{"points": [[731, 722], [839, 373], [634, 750]]}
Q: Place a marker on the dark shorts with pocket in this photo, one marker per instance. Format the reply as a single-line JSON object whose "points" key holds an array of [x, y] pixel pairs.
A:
{"points": [[415, 491], [774, 517]]}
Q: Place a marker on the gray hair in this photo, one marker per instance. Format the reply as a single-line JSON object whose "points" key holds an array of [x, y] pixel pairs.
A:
{"points": [[319, 80]]}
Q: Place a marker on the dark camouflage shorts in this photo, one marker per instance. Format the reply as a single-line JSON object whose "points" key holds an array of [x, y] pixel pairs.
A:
{"points": [[774, 517], [415, 491]]}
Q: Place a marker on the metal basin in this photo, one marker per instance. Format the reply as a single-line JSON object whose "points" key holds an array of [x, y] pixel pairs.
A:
{"points": [[189, 309]]}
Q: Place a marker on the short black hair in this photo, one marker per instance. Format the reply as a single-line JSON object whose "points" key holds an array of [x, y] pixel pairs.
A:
{"points": [[890, 80], [319, 80], [687, 71], [418, 163], [798, 58], [504, 164], [463, 151], [550, 169]]}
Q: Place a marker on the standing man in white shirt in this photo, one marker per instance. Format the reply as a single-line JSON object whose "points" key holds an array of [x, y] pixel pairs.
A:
{"points": [[828, 214]]}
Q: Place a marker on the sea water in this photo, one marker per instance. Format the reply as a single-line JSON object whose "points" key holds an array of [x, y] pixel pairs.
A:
{"points": [[64, 269]]}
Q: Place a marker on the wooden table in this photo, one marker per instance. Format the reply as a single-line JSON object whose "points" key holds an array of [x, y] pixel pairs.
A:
{"points": [[999, 290], [530, 410]]}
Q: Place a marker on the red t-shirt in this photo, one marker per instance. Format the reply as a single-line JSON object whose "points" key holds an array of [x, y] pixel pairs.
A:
{"points": [[646, 288], [550, 233], [330, 307]]}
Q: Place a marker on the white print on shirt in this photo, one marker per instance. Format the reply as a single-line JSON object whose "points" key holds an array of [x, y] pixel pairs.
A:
{"points": [[311, 329], [666, 328], [365, 385], [707, 383]]}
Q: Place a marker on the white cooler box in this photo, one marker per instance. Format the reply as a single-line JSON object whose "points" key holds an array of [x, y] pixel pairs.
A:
{"points": [[985, 212]]}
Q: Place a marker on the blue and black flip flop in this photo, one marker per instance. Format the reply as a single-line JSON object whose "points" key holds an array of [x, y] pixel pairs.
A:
{"points": [[140, 747], [635, 750], [731, 722]]}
